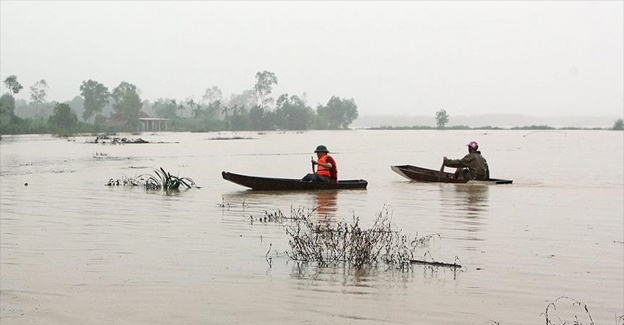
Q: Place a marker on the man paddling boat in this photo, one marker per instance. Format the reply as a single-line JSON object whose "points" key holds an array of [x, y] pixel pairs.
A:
{"points": [[472, 166], [326, 171]]}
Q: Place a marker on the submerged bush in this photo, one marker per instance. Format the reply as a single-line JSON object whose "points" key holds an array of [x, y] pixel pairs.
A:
{"points": [[576, 313], [162, 180], [348, 242], [166, 181]]}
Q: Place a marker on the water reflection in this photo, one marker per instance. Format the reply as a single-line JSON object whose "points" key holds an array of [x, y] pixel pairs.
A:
{"points": [[367, 277], [326, 203], [463, 207], [260, 198], [338, 274], [323, 203], [474, 198], [468, 200]]}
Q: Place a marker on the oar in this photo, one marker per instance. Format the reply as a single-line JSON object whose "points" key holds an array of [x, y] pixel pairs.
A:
{"points": [[312, 162], [441, 171]]}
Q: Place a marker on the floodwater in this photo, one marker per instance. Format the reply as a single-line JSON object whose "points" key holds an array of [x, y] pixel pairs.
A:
{"points": [[74, 251]]}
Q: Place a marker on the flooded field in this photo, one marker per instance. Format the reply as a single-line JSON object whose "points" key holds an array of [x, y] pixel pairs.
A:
{"points": [[74, 251]]}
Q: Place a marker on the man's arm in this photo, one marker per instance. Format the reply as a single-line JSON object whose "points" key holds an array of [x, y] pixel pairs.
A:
{"points": [[326, 164], [455, 163]]}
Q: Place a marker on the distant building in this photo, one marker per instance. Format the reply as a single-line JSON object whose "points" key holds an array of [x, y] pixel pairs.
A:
{"points": [[153, 124], [146, 123]]}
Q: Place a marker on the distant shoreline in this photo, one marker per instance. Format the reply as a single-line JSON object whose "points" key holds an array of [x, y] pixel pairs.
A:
{"points": [[494, 128], [485, 121]]}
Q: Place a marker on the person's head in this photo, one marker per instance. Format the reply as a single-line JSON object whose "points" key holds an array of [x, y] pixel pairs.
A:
{"points": [[473, 146], [321, 150]]}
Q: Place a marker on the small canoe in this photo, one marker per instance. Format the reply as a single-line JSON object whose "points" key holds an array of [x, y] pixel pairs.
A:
{"points": [[420, 174], [290, 184]]}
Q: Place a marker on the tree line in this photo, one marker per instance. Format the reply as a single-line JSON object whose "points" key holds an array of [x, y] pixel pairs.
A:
{"points": [[98, 109], [442, 118]]}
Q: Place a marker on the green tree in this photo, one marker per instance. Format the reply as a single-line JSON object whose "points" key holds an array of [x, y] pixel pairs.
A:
{"points": [[64, 120], [194, 106], [166, 108], [618, 125], [212, 95], [96, 96], [212, 99], [7, 108], [264, 85], [240, 118], [77, 105], [39, 91], [441, 118], [247, 98], [293, 113], [198, 112], [127, 103], [259, 119], [256, 117], [12, 84], [181, 108], [99, 120], [338, 113], [212, 111]]}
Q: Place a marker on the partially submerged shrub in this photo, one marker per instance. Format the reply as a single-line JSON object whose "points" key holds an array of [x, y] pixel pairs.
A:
{"points": [[573, 313], [124, 181], [161, 180], [164, 180], [348, 242], [576, 313]]}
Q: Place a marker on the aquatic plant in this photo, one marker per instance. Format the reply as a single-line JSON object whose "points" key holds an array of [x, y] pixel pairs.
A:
{"points": [[161, 180], [577, 313], [278, 216], [348, 242], [552, 307], [164, 180], [124, 181]]}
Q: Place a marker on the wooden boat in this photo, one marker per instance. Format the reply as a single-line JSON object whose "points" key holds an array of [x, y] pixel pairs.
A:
{"points": [[290, 184], [420, 174]]}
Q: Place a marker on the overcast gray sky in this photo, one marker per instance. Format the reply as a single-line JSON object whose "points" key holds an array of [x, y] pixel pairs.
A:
{"points": [[406, 57]]}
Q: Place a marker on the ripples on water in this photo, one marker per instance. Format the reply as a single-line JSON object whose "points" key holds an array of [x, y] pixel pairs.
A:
{"points": [[74, 251]]}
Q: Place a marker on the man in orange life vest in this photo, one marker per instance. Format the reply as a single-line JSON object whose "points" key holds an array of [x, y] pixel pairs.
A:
{"points": [[326, 171]]}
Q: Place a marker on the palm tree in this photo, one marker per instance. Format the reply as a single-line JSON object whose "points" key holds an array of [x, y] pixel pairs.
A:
{"points": [[225, 111]]}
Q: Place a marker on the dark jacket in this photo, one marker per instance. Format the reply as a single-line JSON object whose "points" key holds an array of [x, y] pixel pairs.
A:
{"points": [[475, 163]]}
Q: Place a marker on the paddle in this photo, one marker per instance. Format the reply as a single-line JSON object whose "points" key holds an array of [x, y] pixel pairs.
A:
{"points": [[441, 170], [312, 162]]}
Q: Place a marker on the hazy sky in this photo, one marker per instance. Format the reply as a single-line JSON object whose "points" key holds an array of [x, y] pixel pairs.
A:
{"points": [[406, 57]]}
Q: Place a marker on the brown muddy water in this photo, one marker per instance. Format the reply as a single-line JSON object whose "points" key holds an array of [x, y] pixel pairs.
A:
{"points": [[74, 251]]}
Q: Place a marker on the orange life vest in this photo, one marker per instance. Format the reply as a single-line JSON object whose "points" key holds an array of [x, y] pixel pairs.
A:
{"points": [[328, 172]]}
